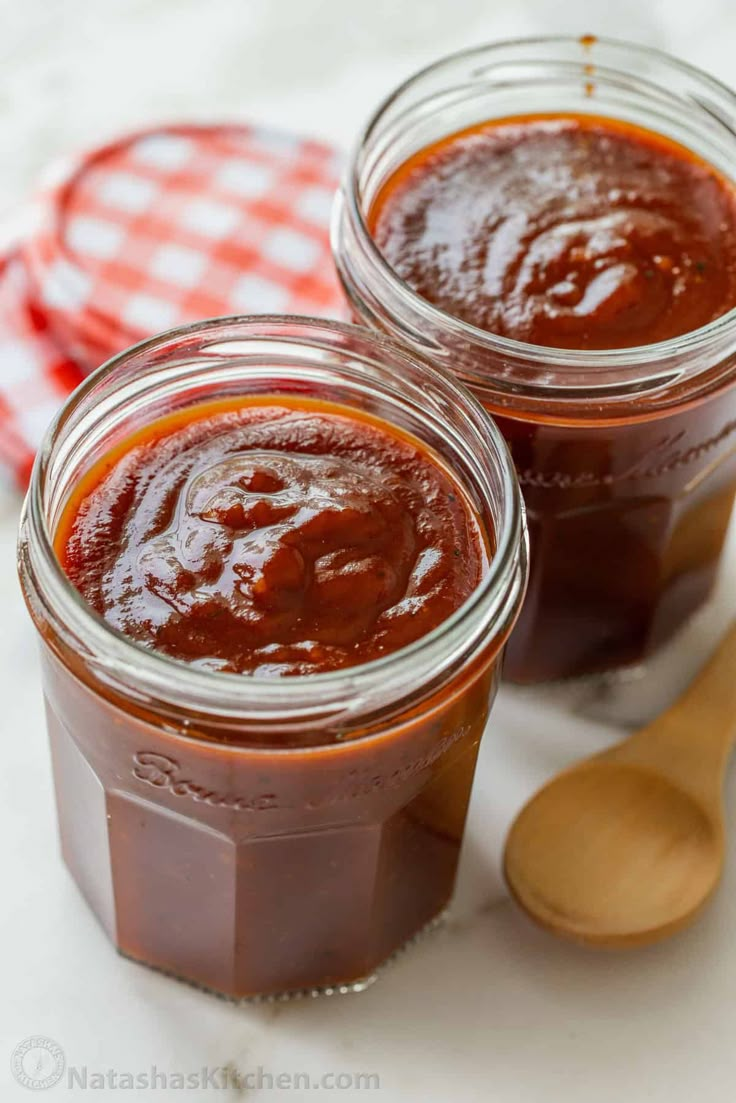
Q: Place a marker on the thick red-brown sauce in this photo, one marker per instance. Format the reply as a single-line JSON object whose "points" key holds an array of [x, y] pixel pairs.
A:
{"points": [[582, 232], [567, 231], [272, 537]]}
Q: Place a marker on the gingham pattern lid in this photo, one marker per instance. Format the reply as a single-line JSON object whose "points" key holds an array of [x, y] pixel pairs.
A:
{"points": [[153, 230], [35, 375]]}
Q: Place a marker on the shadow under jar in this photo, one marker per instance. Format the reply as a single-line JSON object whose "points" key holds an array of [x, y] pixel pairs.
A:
{"points": [[626, 456], [260, 835]]}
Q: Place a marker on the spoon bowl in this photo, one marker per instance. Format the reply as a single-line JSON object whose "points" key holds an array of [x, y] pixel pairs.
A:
{"points": [[612, 855], [626, 847]]}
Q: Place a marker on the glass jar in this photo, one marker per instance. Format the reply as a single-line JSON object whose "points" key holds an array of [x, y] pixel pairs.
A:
{"points": [[627, 458], [206, 849]]}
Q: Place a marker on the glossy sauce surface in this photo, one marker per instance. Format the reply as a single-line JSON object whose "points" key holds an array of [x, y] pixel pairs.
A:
{"points": [[564, 231], [272, 537]]}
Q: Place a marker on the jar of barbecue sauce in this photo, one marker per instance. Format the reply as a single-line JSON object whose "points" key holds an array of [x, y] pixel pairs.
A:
{"points": [[273, 563], [554, 220]]}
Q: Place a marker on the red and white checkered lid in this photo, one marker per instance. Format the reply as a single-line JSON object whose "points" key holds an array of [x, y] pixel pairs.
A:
{"points": [[153, 230]]}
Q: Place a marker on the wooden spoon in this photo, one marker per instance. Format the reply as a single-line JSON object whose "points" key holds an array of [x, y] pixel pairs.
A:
{"points": [[626, 847]]}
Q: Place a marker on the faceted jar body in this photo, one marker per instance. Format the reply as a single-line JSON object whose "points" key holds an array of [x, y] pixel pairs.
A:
{"points": [[255, 836], [627, 523], [626, 458], [257, 873]]}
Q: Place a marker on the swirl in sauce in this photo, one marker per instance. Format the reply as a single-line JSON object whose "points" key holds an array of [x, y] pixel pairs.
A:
{"points": [[563, 231], [271, 539]]}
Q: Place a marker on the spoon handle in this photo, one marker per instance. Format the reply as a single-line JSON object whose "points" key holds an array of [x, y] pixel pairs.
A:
{"points": [[692, 739]]}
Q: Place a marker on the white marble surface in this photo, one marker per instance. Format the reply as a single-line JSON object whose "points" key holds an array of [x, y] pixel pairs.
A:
{"points": [[488, 1008]]}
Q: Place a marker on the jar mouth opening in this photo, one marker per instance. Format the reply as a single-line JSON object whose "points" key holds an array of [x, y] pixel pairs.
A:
{"points": [[115, 652], [566, 361]]}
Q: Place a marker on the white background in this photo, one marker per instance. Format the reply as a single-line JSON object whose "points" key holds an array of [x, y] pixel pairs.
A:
{"points": [[489, 1008]]}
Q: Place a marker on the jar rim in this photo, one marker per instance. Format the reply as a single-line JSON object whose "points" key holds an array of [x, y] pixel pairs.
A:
{"points": [[226, 694], [565, 361]]}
